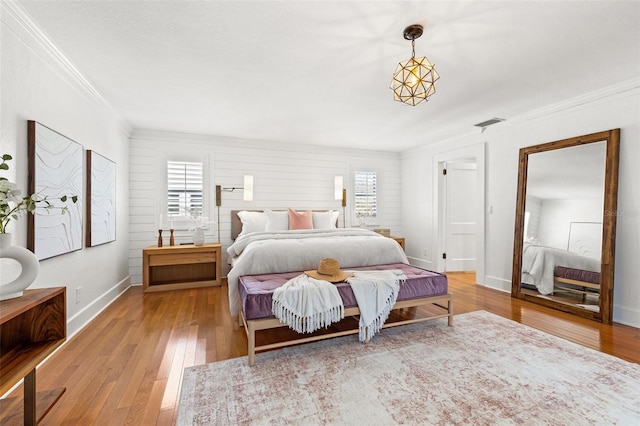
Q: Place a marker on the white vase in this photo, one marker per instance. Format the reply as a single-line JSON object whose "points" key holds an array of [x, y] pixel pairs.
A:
{"points": [[198, 236], [28, 262]]}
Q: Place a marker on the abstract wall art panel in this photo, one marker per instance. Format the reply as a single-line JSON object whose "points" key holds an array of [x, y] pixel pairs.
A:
{"points": [[55, 171], [101, 199]]}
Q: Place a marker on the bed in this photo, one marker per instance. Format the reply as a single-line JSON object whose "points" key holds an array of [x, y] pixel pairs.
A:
{"points": [[547, 268], [277, 249], [262, 260]]}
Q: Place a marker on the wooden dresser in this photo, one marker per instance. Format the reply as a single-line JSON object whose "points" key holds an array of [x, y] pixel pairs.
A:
{"points": [[31, 328], [180, 267]]}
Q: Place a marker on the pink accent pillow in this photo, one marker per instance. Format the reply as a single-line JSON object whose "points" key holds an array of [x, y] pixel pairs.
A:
{"points": [[300, 220]]}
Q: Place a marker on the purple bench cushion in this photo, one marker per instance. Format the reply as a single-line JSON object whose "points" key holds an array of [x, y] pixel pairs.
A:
{"points": [[577, 274], [256, 290]]}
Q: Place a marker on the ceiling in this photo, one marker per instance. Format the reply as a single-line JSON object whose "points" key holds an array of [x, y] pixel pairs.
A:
{"points": [[318, 72]]}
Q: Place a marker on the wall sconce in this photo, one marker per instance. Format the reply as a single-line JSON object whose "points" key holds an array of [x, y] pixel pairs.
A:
{"points": [[341, 193], [338, 185], [248, 188], [247, 195], [344, 208]]}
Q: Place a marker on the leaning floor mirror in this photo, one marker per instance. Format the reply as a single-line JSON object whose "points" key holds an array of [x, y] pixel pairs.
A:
{"points": [[565, 230]]}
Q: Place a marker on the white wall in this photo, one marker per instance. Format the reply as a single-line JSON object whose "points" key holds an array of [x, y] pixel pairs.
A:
{"points": [[557, 215], [36, 84], [285, 175], [608, 108]]}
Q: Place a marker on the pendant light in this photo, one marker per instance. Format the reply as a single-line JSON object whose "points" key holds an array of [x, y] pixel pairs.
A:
{"points": [[414, 80]]}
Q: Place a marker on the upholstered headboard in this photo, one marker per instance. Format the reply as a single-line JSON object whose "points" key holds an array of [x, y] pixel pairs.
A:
{"points": [[236, 223]]}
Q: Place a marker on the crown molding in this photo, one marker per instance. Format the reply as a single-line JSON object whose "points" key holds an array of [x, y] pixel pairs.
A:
{"points": [[154, 136], [606, 94], [626, 88], [19, 22]]}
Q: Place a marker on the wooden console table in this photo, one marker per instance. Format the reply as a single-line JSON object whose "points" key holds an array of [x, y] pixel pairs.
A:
{"points": [[180, 267], [31, 328]]}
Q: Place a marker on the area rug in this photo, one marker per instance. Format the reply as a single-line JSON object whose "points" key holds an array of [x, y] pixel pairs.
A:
{"points": [[485, 370]]}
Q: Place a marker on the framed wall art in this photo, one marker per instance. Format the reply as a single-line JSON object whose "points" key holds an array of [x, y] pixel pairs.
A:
{"points": [[55, 172], [101, 200]]}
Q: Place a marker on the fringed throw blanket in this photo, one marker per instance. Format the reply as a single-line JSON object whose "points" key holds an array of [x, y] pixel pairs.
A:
{"points": [[306, 304], [376, 292]]}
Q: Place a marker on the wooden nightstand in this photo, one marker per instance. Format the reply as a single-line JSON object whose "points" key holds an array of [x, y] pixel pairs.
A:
{"points": [[180, 267], [399, 240]]}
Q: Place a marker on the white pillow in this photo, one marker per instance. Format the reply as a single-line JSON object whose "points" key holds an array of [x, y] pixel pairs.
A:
{"points": [[325, 220], [277, 221], [252, 222]]}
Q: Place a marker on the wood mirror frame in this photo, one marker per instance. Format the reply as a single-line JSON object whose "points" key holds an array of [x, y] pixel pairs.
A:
{"points": [[612, 140]]}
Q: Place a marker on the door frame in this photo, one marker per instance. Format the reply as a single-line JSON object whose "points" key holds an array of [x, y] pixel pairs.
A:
{"points": [[477, 152]]}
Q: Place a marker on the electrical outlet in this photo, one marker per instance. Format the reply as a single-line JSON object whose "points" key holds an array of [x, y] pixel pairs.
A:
{"points": [[78, 294], [425, 252]]}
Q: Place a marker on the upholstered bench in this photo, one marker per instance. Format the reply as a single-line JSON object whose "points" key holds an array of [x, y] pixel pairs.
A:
{"points": [[422, 287]]}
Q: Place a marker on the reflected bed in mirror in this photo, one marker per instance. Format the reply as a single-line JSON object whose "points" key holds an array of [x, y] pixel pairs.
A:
{"points": [[565, 230]]}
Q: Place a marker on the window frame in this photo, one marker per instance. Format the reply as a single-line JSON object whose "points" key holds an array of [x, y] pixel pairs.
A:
{"points": [[182, 222], [184, 196], [372, 220]]}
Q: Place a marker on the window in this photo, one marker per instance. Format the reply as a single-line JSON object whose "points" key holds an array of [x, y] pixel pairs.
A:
{"points": [[366, 197], [184, 188]]}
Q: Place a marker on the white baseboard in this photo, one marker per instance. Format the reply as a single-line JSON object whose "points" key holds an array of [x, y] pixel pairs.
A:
{"points": [[421, 263], [82, 318], [626, 316], [497, 283]]}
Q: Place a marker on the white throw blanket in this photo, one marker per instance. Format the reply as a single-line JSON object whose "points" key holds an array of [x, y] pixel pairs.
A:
{"points": [[306, 304], [376, 292], [302, 253]]}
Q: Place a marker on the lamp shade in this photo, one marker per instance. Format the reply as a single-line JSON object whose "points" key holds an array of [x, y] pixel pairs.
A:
{"points": [[248, 188], [337, 188], [414, 81]]}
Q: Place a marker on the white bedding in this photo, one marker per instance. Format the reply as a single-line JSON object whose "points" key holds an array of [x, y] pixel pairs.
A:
{"points": [[539, 262], [301, 250]]}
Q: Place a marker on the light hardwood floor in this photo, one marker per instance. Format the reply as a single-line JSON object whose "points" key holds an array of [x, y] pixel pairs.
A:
{"points": [[125, 366]]}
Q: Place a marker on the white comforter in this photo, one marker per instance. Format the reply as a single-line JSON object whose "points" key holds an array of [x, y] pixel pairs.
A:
{"points": [[539, 262], [288, 251]]}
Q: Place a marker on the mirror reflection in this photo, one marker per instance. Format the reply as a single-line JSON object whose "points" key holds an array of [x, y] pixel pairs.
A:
{"points": [[562, 235], [565, 233]]}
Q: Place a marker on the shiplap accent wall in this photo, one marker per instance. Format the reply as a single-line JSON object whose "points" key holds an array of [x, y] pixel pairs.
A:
{"points": [[285, 175]]}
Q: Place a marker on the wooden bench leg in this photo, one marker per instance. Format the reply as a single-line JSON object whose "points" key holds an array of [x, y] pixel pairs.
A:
{"points": [[450, 310], [251, 337]]}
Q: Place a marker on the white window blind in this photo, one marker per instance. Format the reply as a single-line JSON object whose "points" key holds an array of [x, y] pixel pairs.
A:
{"points": [[184, 188], [366, 198]]}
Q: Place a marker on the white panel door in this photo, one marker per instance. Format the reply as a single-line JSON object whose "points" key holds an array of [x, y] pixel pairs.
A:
{"points": [[460, 221]]}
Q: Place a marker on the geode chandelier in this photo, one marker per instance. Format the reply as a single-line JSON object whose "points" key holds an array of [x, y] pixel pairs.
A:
{"points": [[414, 80]]}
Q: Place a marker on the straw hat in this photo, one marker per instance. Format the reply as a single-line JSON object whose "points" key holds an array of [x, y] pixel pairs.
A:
{"points": [[329, 270]]}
